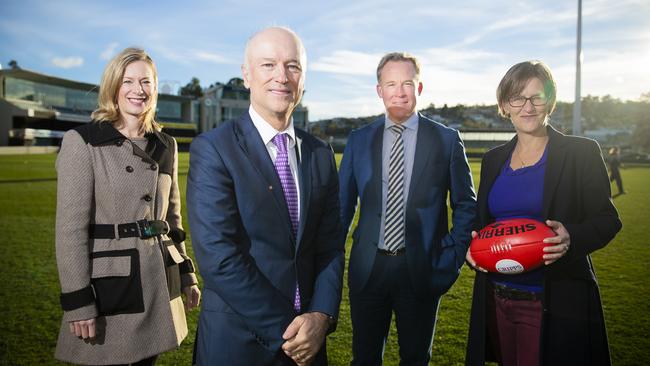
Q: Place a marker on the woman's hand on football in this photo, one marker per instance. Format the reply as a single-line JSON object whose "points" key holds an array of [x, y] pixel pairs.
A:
{"points": [[561, 242]]}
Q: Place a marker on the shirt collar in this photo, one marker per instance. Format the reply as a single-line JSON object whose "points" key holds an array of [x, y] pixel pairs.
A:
{"points": [[411, 123], [267, 132]]}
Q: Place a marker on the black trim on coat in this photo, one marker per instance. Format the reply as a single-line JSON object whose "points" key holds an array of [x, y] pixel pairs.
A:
{"points": [[173, 270], [187, 266], [100, 133], [158, 150], [119, 294], [177, 235], [77, 299]]}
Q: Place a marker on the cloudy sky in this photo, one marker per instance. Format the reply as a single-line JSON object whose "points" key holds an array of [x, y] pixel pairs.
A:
{"points": [[465, 46]]}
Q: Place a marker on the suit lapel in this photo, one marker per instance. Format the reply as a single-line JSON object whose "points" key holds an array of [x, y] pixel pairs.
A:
{"points": [[554, 166], [377, 142], [424, 144], [303, 153], [253, 147]]}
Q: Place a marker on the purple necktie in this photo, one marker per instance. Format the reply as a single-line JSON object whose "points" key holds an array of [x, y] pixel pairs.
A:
{"points": [[290, 193]]}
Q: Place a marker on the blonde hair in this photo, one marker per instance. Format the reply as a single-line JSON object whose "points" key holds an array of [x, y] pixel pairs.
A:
{"points": [[110, 86], [515, 80]]}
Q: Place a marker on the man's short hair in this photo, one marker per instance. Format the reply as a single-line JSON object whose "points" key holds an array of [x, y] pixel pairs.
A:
{"points": [[398, 56]]}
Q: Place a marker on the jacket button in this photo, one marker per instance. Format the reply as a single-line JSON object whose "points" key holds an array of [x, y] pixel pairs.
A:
{"points": [[147, 198], [129, 169], [119, 142], [153, 167]]}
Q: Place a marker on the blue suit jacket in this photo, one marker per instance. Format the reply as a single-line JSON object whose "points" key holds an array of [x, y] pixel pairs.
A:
{"points": [[434, 253], [241, 234]]}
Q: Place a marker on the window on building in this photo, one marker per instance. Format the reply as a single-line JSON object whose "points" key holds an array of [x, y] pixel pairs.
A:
{"points": [[168, 110], [51, 96]]}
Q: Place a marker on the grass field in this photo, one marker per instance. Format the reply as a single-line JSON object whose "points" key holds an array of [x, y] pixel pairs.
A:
{"points": [[29, 286]]}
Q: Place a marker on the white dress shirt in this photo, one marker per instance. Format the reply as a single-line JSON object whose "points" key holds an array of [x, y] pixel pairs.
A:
{"points": [[267, 133]]}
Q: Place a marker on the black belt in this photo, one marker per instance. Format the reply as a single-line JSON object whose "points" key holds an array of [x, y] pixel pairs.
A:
{"points": [[396, 253], [142, 229], [510, 293]]}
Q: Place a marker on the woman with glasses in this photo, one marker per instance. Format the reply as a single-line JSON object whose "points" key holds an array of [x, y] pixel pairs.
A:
{"points": [[551, 315]]}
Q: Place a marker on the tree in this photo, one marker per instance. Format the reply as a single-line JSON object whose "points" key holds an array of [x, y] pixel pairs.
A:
{"points": [[641, 137], [13, 64], [444, 111], [645, 97], [192, 89], [236, 82]]}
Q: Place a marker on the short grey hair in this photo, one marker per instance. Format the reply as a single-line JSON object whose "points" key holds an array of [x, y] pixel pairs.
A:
{"points": [[398, 56]]}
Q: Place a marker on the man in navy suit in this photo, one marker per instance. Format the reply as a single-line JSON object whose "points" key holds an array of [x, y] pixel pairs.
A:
{"points": [[404, 258], [264, 215]]}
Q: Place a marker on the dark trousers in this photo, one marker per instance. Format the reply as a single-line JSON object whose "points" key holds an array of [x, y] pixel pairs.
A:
{"points": [[518, 324], [616, 176], [389, 290]]}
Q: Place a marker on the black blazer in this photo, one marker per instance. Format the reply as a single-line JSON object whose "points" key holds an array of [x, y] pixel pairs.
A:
{"points": [[577, 194]]}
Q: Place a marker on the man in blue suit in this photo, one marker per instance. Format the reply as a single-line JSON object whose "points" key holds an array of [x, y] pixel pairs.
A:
{"points": [[404, 258], [264, 215]]}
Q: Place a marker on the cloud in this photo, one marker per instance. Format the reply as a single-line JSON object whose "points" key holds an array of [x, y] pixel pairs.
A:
{"points": [[210, 57], [509, 23], [449, 76], [465, 47], [109, 51], [67, 62], [187, 55], [520, 23], [347, 62], [607, 73], [457, 58]]}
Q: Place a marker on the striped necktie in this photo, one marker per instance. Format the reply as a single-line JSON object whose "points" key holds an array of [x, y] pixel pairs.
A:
{"points": [[290, 193], [394, 224]]}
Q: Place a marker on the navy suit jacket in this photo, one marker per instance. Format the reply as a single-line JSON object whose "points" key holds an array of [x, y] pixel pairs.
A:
{"points": [[241, 234], [434, 253]]}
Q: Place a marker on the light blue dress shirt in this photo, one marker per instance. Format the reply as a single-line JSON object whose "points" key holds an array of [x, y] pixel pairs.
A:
{"points": [[409, 137]]}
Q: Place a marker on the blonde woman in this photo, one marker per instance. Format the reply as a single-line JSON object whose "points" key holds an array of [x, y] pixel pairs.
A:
{"points": [[119, 239]]}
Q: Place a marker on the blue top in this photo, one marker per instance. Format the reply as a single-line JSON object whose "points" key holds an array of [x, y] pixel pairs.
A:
{"points": [[515, 194], [409, 137]]}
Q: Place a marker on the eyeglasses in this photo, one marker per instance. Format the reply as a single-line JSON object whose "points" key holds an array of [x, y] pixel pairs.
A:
{"points": [[536, 100]]}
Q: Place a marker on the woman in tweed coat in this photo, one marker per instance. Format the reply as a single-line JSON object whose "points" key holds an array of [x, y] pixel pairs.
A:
{"points": [[119, 239]]}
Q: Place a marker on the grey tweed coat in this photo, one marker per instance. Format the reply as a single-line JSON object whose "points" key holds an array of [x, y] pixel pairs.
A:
{"points": [[131, 285]]}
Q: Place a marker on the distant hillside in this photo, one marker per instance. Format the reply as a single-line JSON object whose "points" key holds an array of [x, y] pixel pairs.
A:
{"points": [[460, 117], [606, 119]]}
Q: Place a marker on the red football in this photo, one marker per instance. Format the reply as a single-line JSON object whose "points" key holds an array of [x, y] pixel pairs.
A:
{"points": [[511, 246]]}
